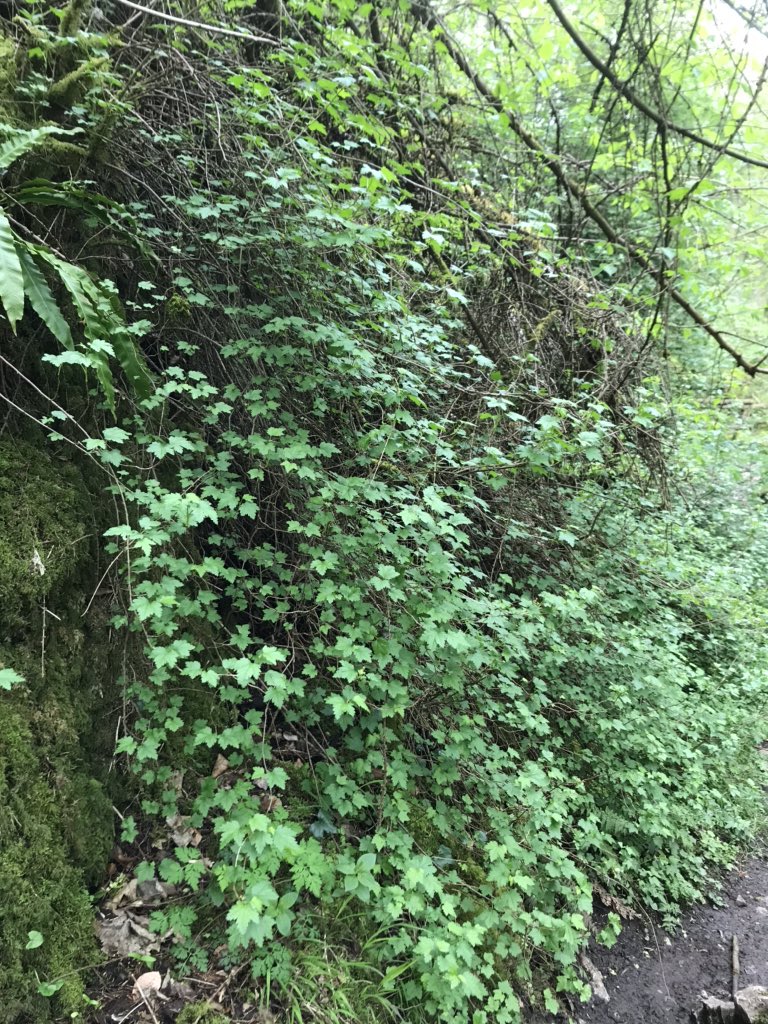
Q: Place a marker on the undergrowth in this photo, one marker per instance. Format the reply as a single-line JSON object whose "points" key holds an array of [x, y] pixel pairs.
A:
{"points": [[462, 605]]}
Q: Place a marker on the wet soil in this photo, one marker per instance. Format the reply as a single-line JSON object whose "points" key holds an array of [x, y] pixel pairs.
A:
{"points": [[654, 976]]}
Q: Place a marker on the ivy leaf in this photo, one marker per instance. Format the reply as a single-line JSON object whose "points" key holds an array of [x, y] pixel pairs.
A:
{"points": [[322, 826], [9, 678]]}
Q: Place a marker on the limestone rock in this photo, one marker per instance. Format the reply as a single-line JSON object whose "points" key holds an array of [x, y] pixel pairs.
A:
{"points": [[716, 1011], [752, 1008], [753, 1005]]}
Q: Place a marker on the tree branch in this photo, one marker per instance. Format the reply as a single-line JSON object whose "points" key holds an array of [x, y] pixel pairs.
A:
{"points": [[426, 16], [216, 29], [637, 101]]}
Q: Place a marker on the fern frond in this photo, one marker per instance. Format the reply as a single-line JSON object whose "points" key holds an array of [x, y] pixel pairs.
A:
{"points": [[11, 277], [22, 142]]}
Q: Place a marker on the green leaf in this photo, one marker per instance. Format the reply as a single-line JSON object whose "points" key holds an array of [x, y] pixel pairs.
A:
{"points": [[42, 301], [68, 359], [49, 988], [143, 958], [34, 939], [82, 291], [9, 678], [129, 830], [132, 364], [22, 142], [11, 277], [116, 435]]}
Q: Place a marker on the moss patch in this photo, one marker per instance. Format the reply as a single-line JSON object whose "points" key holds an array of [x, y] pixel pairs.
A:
{"points": [[55, 814], [8, 77], [45, 529]]}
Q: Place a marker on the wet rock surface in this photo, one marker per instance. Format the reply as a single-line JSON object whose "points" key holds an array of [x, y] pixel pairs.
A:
{"points": [[652, 976]]}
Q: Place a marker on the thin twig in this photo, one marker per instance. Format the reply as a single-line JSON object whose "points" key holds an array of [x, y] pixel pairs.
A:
{"points": [[42, 644], [217, 29], [735, 968], [425, 13], [119, 554], [637, 101]]}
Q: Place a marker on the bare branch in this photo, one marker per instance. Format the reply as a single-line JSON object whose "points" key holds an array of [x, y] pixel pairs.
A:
{"points": [[637, 101], [217, 29], [427, 17]]}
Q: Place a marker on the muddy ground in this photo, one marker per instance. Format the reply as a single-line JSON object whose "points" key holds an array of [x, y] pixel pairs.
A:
{"points": [[652, 976]]}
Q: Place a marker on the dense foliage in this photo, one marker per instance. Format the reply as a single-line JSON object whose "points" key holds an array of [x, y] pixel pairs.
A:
{"points": [[443, 600]]}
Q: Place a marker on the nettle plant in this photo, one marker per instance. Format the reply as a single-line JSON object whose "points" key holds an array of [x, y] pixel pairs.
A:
{"points": [[440, 715]]}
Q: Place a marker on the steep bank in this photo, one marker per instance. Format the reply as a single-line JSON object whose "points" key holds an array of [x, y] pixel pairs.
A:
{"points": [[439, 584]]}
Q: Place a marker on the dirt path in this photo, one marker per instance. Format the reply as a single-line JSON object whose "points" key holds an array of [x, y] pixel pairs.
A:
{"points": [[655, 978]]}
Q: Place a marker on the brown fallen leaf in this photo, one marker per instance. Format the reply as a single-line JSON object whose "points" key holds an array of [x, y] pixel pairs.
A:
{"points": [[189, 837], [270, 803], [182, 835], [183, 990], [123, 859], [176, 781], [126, 933], [139, 894], [220, 766], [152, 891], [126, 894]]}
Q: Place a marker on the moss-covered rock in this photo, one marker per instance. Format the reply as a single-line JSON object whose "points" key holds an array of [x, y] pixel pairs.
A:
{"points": [[55, 813], [8, 80], [45, 530]]}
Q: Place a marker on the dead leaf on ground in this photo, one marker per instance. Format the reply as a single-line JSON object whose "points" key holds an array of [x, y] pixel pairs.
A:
{"points": [[127, 933], [220, 766], [183, 990], [126, 894], [182, 835], [150, 892], [123, 859]]}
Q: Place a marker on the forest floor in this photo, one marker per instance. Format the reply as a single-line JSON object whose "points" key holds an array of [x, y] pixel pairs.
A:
{"points": [[660, 977], [651, 976]]}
